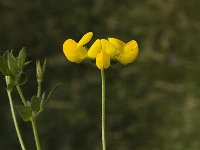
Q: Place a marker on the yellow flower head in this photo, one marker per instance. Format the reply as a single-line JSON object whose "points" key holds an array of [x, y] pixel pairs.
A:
{"points": [[103, 51], [76, 52], [127, 52]]}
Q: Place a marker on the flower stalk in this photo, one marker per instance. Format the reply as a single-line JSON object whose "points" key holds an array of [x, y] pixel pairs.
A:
{"points": [[14, 115], [21, 95], [103, 51], [39, 89], [103, 110], [36, 136], [33, 121]]}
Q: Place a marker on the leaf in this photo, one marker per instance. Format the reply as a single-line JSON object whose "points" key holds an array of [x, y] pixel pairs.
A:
{"points": [[35, 104], [12, 64], [3, 66], [25, 112], [21, 58], [50, 94]]}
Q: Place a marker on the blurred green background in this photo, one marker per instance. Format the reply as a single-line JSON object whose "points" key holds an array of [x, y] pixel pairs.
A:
{"points": [[152, 104]]}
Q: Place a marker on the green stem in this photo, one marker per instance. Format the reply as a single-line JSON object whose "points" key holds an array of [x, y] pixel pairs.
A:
{"points": [[21, 95], [37, 141], [103, 110], [33, 121], [14, 118], [39, 89]]}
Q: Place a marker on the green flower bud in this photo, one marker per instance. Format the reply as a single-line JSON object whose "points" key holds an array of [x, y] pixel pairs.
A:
{"points": [[39, 72]]}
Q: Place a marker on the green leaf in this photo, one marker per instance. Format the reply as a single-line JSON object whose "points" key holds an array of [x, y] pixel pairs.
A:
{"points": [[50, 94], [25, 112], [12, 64], [3, 66], [35, 104], [21, 58]]}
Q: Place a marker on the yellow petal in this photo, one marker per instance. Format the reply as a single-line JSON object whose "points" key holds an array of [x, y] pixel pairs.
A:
{"points": [[103, 61], [129, 56], [95, 49], [108, 48], [130, 46], [117, 43], [85, 39], [73, 53]]}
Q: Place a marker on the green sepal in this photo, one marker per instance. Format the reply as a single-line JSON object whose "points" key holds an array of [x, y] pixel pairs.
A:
{"points": [[25, 112]]}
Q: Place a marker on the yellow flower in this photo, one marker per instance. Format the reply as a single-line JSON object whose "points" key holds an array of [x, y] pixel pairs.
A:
{"points": [[127, 52], [76, 52], [103, 51]]}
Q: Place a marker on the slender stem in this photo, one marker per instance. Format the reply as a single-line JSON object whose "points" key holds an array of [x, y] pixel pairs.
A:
{"points": [[21, 95], [14, 118], [37, 141], [33, 121], [103, 110], [39, 89]]}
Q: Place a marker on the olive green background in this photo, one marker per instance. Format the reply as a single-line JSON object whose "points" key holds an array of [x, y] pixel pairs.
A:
{"points": [[152, 104]]}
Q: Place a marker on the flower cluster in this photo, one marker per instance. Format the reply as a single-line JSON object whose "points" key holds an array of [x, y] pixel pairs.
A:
{"points": [[103, 50]]}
